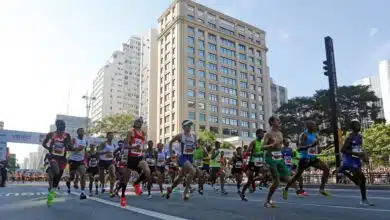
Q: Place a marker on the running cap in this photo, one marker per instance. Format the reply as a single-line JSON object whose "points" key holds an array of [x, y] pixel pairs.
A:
{"points": [[187, 123]]}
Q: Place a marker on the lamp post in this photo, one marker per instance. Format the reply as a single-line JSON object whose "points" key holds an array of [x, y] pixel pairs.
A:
{"points": [[88, 101]]}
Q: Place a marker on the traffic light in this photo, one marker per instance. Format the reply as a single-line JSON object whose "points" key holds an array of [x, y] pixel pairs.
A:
{"points": [[326, 68]]}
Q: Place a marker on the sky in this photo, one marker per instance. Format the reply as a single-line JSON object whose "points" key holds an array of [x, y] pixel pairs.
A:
{"points": [[50, 51]]}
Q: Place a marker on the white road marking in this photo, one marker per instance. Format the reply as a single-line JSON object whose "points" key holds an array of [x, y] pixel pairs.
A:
{"points": [[373, 209], [146, 212]]}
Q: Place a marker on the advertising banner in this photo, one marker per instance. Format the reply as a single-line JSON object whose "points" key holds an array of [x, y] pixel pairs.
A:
{"points": [[3, 146]]}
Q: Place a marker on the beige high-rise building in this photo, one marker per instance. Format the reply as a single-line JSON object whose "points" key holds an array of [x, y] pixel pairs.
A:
{"points": [[212, 70]]}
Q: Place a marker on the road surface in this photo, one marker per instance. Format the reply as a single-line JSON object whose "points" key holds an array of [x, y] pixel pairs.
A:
{"points": [[21, 202]]}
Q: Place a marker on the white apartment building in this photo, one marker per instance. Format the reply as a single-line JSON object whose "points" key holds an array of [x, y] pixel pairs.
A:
{"points": [[116, 86], [212, 70], [33, 162], [278, 96], [148, 82], [384, 78], [375, 86]]}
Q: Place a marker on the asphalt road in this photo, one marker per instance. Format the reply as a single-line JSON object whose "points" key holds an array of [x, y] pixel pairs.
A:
{"points": [[20, 202]]}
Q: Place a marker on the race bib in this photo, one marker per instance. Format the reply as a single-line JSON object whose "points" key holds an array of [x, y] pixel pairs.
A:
{"points": [[276, 155], [312, 151], [246, 161], [150, 161], [109, 155], [258, 161], [92, 162], [124, 158], [188, 150], [287, 160], [161, 162], [58, 149], [198, 163], [173, 164], [356, 149], [238, 164]]}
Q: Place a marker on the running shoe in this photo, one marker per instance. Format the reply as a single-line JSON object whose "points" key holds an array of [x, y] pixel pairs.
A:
{"points": [[269, 205], [83, 196], [302, 193], [366, 203], [324, 193], [285, 194], [137, 189], [50, 198], [150, 196], [123, 201], [169, 191]]}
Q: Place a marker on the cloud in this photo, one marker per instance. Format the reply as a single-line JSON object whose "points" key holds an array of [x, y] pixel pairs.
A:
{"points": [[373, 31]]}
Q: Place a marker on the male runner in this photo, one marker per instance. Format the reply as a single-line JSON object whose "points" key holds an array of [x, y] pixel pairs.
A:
{"points": [[106, 153], [199, 156], [273, 140], [308, 148], [206, 161], [93, 169], [188, 146], [216, 171], [59, 142], [237, 170], [136, 162], [76, 161], [160, 166], [353, 154], [288, 155], [255, 155]]}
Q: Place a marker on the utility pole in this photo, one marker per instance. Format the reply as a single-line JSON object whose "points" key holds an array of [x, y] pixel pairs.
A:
{"points": [[330, 72], [88, 101]]}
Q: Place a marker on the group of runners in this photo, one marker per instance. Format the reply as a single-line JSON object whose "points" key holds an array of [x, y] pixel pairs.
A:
{"points": [[268, 156]]}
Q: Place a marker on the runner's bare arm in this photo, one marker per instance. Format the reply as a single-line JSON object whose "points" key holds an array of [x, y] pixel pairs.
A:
{"points": [[176, 138], [46, 140], [250, 148]]}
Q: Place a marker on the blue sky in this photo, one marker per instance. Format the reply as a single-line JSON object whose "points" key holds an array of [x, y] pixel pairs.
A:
{"points": [[49, 47]]}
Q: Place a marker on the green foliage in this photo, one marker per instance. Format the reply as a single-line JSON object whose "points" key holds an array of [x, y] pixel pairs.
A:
{"points": [[207, 137], [228, 145], [377, 143], [119, 123], [354, 102], [12, 163]]}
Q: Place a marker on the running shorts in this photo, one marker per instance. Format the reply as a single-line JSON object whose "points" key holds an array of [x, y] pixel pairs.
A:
{"points": [[277, 167]]}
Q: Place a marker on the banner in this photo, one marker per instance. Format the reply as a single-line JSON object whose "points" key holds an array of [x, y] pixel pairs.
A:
{"points": [[3, 146], [23, 137]]}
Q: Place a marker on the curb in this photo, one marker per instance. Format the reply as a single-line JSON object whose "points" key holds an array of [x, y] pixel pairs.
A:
{"points": [[339, 186]]}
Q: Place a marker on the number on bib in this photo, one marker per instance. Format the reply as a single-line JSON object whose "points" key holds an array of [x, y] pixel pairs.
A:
{"points": [[161, 162], [198, 163], [173, 164], [150, 161], [258, 161], [92, 162], [287, 160], [312, 151], [58, 149], [238, 164], [276, 155], [188, 150], [108, 155]]}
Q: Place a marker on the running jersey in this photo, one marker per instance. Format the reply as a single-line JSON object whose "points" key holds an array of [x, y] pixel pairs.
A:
{"points": [[78, 155], [198, 157], [245, 158], [356, 146], [93, 159], [296, 156], [150, 158], [216, 162], [311, 152], [161, 158], [238, 162], [138, 139], [206, 159], [257, 157], [287, 155], [58, 145], [188, 144], [108, 148]]}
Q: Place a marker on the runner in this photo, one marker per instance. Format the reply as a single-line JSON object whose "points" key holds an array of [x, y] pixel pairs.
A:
{"points": [[57, 143], [188, 146], [206, 161], [161, 162], [151, 160], [308, 148], [173, 168], [255, 154], [76, 161], [199, 156], [93, 169], [352, 157], [216, 171], [288, 155], [273, 140], [237, 167], [106, 153], [136, 139]]}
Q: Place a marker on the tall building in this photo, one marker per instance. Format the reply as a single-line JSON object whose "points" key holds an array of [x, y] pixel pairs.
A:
{"points": [[72, 123], [25, 163], [148, 82], [212, 70], [384, 78], [278, 96], [116, 86], [33, 162], [374, 83]]}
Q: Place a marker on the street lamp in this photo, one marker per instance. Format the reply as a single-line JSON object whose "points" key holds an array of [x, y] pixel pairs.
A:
{"points": [[88, 101]]}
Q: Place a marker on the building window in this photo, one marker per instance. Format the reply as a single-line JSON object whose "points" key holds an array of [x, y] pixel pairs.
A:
{"points": [[213, 119], [191, 93], [191, 50], [202, 117], [191, 61], [201, 64], [201, 53], [215, 130], [245, 124], [201, 94], [212, 37], [191, 104], [190, 17], [191, 115], [213, 98], [244, 114], [212, 57], [244, 94], [201, 105], [245, 134], [253, 115], [191, 82], [212, 47], [253, 105], [241, 56], [213, 108], [191, 30], [212, 66], [201, 44], [190, 40], [244, 104], [241, 47], [201, 84], [213, 87], [201, 74], [213, 76]]}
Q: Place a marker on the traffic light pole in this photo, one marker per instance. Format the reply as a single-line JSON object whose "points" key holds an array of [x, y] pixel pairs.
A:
{"points": [[330, 68]]}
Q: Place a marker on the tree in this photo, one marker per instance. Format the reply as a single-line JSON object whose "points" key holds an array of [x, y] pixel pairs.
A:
{"points": [[12, 162], [377, 143], [207, 137], [354, 102], [119, 123], [228, 145]]}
